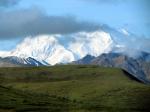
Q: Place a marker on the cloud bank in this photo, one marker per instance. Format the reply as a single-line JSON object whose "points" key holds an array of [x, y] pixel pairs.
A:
{"points": [[24, 22]]}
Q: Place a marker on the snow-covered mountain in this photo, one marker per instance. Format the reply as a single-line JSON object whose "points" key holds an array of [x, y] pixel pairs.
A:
{"points": [[13, 61], [54, 49], [50, 49], [44, 48]]}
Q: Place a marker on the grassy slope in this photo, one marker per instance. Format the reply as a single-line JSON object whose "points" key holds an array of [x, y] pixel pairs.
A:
{"points": [[12, 100], [72, 88]]}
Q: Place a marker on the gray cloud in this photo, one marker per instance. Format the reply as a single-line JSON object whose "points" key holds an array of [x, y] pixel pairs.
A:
{"points": [[7, 3], [33, 21]]}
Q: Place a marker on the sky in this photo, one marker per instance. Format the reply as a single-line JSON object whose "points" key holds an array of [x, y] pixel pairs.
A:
{"points": [[21, 18]]}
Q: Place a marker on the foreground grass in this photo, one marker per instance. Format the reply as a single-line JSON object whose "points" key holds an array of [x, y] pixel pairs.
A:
{"points": [[20, 101], [71, 89]]}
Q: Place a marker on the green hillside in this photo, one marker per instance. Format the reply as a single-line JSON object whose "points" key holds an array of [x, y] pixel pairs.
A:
{"points": [[71, 88]]}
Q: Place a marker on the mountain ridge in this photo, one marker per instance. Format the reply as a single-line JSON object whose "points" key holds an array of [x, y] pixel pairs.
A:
{"points": [[13, 61], [138, 67], [55, 49]]}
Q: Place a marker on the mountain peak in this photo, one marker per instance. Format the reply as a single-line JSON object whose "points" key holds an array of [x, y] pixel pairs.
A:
{"points": [[55, 49], [50, 49]]}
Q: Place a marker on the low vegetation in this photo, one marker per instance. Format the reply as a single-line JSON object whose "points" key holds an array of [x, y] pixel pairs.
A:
{"points": [[71, 88]]}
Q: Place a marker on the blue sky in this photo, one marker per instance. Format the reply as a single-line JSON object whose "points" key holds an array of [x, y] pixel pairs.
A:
{"points": [[133, 15]]}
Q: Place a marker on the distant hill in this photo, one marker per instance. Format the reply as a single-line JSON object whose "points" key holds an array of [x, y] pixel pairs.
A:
{"points": [[85, 60], [137, 66]]}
